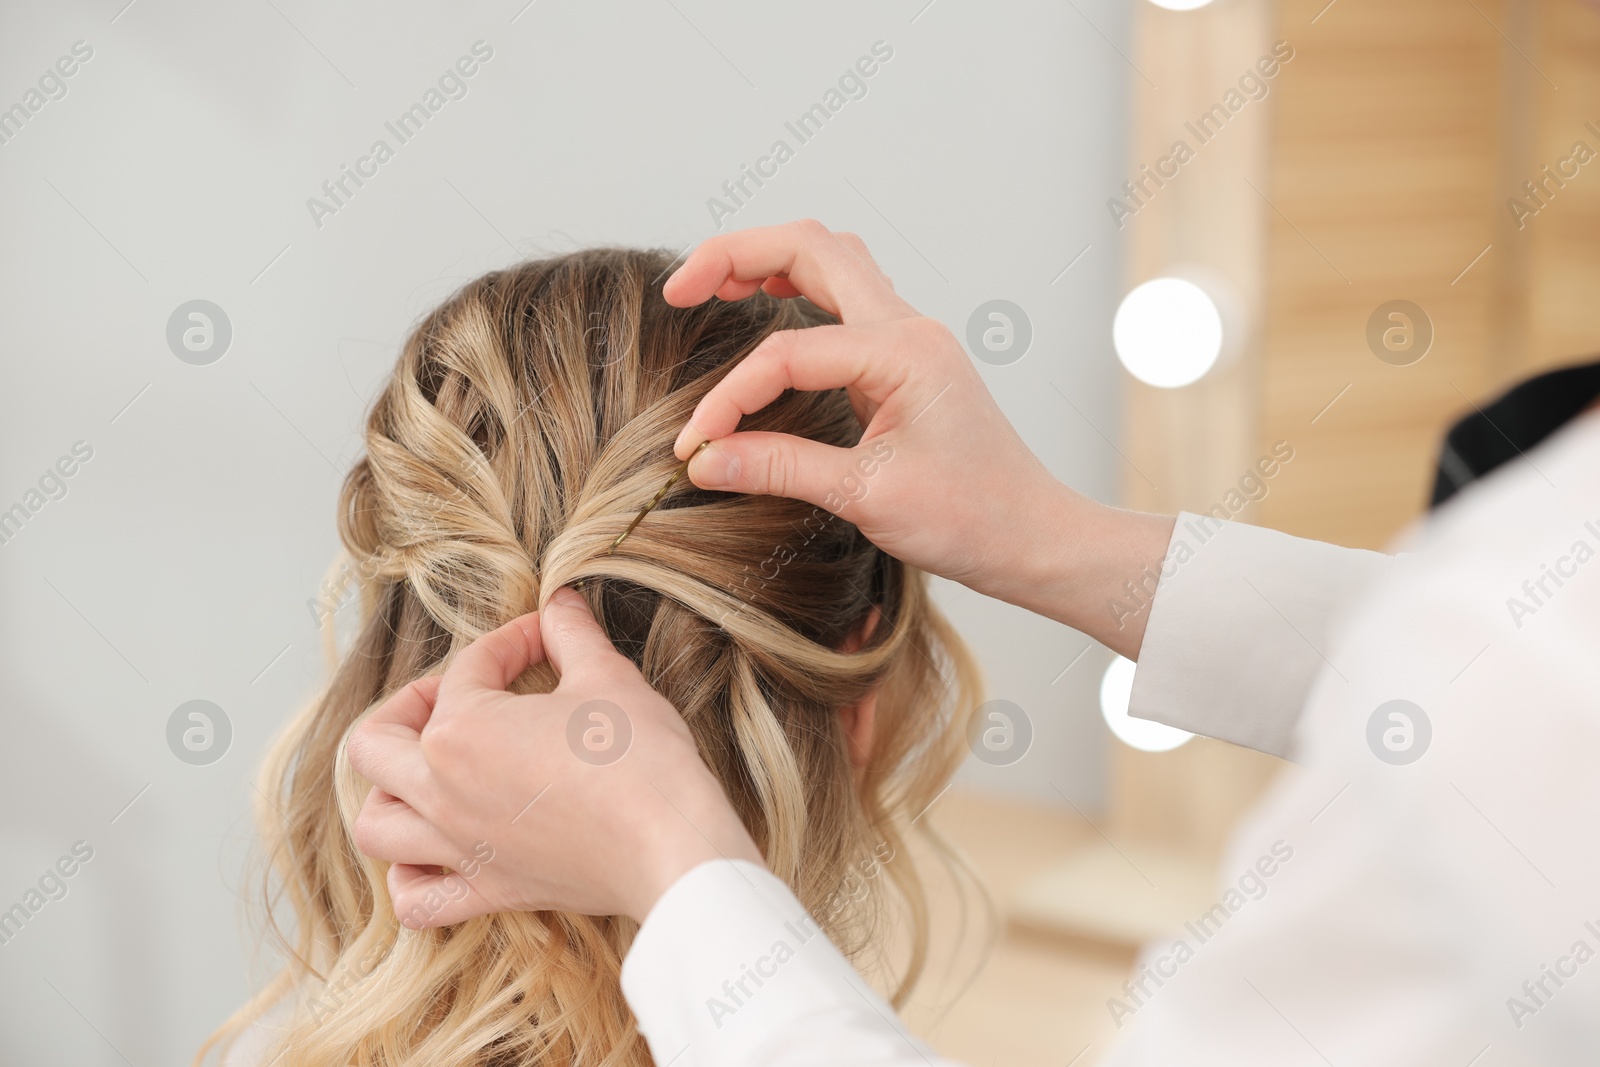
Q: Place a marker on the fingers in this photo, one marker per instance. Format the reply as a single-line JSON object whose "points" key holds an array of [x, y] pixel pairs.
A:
{"points": [[389, 755], [859, 247], [390, 830], [422, 893], [816, 263], [780, 288], [776, 464], [816, 358], [738, 290], [573, 639], [494, 661], [411, 706], [423, 898]]}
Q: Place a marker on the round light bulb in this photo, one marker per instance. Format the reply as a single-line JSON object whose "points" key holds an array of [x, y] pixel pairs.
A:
{"points": [[1167, 332], [1146, 736]]}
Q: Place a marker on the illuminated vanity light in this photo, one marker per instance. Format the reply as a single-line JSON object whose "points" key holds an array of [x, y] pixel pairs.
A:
{"points": [[1146, 736], [1167, 332]]}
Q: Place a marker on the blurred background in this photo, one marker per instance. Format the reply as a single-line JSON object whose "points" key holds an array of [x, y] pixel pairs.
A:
{"points": [[1362, 218]]}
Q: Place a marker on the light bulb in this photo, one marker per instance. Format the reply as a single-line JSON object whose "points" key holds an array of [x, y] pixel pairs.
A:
{"points": [[1146, 736], [1167, 332]]}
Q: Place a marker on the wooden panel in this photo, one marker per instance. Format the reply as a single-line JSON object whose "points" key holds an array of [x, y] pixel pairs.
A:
{"points": [[1563, 261], [1384, 167]]}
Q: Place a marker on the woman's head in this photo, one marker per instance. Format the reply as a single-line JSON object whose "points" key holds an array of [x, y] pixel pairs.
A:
{"points": [[529, 419]]}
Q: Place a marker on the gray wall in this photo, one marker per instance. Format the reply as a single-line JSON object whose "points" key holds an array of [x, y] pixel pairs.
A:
{"points": [[179, 562]]}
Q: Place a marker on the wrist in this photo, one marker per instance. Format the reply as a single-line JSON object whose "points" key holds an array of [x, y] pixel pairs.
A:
{"points": [[688, 833], [1077, 560], [1114, 575]]}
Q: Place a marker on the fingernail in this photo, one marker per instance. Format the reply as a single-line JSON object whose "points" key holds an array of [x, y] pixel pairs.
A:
{"points": [[567, 596], [688, 438], [715, 469]]}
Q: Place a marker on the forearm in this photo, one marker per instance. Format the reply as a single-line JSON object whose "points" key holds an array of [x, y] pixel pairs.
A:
{"points": [[1197, 601]]}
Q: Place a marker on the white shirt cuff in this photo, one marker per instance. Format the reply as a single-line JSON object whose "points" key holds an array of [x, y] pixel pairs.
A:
{"points": [[729, 968], [1240, 626]]}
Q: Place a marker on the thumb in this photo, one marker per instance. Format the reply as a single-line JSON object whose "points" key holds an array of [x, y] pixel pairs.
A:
{"points": [[494, 660], [573, 639], [776, 464]]}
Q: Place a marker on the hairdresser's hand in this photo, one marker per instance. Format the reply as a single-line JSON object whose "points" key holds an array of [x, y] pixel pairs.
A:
{"points": [[520, 796], [940, 478]]}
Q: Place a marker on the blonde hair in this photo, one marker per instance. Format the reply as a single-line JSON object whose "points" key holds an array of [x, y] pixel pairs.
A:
{"points": [[528, 419]]}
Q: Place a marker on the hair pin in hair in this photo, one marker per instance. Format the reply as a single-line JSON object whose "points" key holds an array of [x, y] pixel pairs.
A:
{"points": [[683, 468]]}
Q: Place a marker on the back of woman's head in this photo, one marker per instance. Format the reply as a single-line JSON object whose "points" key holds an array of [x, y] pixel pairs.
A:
{"points": [[529, 419]]}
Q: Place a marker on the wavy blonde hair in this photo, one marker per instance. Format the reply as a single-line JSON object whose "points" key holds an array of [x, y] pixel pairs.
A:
{"points": [[528, 419]]}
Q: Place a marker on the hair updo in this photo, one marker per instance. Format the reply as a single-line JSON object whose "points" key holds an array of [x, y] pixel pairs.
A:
{"points": [[530, 417]]}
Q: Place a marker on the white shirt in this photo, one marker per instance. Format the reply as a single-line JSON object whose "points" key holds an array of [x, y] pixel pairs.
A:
{"points": [[1374, 912]]}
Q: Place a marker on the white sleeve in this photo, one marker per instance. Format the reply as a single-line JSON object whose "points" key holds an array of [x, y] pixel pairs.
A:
{"points": [[1423, 889], [1239, 627], [729, 970]]}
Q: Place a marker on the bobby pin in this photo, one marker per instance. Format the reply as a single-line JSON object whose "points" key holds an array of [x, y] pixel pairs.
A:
{"points": [[683, 468]]}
